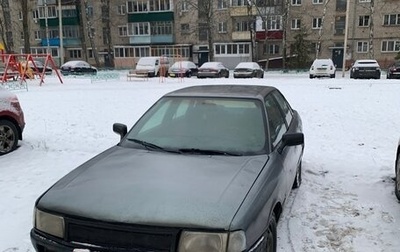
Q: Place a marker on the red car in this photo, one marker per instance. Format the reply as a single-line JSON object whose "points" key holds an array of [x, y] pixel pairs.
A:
{"points": [[12, 121]]}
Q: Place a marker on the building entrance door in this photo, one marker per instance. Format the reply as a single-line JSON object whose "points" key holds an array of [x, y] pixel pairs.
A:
{"points": [[337, 57]]}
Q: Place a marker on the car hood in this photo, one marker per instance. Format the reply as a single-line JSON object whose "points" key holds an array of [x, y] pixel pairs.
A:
{"points": [[145, 67], [155, 188]]}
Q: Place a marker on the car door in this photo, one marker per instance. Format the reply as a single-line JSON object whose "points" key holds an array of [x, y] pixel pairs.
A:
{"points": [[277, 128]]}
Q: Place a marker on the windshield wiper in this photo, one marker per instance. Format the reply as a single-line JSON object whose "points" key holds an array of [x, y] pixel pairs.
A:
{"points": [[208, 152], [150, 146]]}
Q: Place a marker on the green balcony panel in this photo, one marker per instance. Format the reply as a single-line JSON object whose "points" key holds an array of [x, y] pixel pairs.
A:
{"points": [[53, 22], [150, 17]]}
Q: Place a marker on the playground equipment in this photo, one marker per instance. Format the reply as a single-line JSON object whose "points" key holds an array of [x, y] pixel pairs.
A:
{"points": [[17, 66]]}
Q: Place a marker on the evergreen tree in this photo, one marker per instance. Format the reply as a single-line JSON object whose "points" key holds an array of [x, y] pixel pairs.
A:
{"points": [[300, 51]]}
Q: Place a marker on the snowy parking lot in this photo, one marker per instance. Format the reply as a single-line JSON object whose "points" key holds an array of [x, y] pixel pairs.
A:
{"points": [[351, 127]]}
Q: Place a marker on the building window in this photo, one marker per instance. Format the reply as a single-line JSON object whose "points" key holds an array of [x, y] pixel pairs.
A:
{"points": [[392, 19], [37, 35], [341, 5], [222, 27], [138, 29], [123, 31], [203, 32], [185, 28], [131, 51], [51, 12], [232, 49], [362, 46], [340, 25], [160, 5], [317, 23], [390, 46], [363, 21], [296, 2], [273, 49], [75, 53], [317, 1], [184, 5], [71, 32], [35, 14], [239, 2], [121, 9], [161, 28], [274, 23], [364, 1], [222, 4], [296, 22], [241, 26], [137, 6]]}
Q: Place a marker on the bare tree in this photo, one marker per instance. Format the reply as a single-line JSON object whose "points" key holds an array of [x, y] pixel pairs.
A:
{"points": [[107, 23], [6, 27], [91, 32], [25, 25], [320, 31], [207, 22], [78, 5]]}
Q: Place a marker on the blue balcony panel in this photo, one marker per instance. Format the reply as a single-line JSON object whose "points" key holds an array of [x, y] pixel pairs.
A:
{"points": [[162, 39], [139, 40]]}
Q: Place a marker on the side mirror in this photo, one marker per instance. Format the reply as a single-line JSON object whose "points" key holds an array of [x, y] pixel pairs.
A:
{"points": [[291, 139], [120, 129]]}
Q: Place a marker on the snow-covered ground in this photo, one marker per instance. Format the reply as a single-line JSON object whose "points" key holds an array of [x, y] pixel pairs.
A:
{"points": [[346, 201]]}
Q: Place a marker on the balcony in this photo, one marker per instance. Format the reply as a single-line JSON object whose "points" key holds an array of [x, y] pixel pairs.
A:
{"points": [[67, 42], [240, 11], [241, 36]]}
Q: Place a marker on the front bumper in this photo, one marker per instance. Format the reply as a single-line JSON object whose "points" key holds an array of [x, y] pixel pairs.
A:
{"points": [[43, 243]]}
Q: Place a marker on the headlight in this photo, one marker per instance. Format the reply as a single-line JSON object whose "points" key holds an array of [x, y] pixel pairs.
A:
{"points": [[212, 242], [49, 223]]}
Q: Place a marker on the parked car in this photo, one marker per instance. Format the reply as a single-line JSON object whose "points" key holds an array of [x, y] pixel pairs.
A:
{"points": [[206, 168], [366, 69], [183, 69], [397, 172], [153, 66], [393, 71], [37, 67], [12, 121], [248, 70], [322, 68], [77, 67], [213, 70]]}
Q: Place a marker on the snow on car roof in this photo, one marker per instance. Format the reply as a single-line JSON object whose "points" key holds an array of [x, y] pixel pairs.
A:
{"points": [[247, 65]]}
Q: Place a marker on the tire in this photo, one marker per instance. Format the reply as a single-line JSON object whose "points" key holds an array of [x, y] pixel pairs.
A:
{"points": [[8, 137], [311, 76], [270, 235], [298, 178], [397, 182], [332, 76]]}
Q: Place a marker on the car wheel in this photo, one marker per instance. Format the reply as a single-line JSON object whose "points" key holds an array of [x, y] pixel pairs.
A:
{"points": [[8, 137], [189, 74], [270, 235], [332, 76], [311, 76], [397, 182], [388, 76], [297, 179]]}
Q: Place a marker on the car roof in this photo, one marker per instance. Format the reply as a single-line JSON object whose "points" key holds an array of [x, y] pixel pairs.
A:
{"points": [[232, 91], [247, 64]]}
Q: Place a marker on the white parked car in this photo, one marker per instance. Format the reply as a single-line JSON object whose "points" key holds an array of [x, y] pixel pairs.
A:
{"points": [[322, 68]]}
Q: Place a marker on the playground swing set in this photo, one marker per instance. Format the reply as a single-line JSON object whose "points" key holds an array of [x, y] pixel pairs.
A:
{"points": [[18, 67]]}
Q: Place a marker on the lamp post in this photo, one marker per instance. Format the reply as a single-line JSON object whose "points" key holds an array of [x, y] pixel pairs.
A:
{"points": [[60, 25], [346, 28]]}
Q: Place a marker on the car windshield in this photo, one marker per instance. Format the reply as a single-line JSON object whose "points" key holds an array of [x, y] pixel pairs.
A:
{"points": [[367, 62], [202, 126], [211, 65], [247, 65]]}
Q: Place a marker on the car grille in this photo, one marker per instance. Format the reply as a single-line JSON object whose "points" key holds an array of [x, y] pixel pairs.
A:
{"points": [[367, 68], [120, 236]]}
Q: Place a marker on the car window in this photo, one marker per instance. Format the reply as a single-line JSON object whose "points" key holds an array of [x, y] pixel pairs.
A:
{"points": [[276, 121], [222, 124], [285, 107]]}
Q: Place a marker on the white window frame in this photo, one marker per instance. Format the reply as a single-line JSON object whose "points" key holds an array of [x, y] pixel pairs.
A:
{"points": [[364, 19], [389, 17], [222, 27], [296, 2], [37, 35], [390, 46], [137, 6], [362, 46], [364, 1], [139, 29], [317, 1], [274, 23], [232, 49], [184, 5], [273, 49], [239, 2], [295, 24], [121, 9], [123, 30], [222, 4], [318, 23]]}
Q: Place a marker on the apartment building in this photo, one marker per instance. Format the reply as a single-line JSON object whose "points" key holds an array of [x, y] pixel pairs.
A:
{"points": [[116, 33]]}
